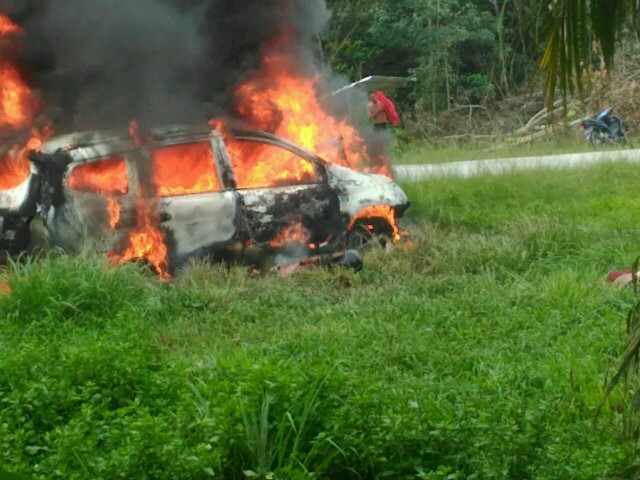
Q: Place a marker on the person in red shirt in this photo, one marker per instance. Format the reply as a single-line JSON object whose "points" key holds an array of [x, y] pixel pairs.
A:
{"points": [[382, 111]]}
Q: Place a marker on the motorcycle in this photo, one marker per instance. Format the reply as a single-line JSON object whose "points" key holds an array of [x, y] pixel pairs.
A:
{"points": [[604, 128]]}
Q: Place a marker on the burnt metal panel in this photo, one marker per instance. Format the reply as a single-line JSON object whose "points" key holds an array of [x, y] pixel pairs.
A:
{"points": [[22, 200], [270, 211]]}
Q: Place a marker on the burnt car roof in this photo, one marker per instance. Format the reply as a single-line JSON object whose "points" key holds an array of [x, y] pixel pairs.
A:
{"points": [[98, 143], [119, 139]]}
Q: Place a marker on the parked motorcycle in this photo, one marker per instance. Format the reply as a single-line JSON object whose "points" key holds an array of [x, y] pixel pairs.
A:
{"points": [[604, 128]]}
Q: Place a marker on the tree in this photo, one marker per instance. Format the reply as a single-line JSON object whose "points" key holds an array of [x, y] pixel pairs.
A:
{"points": [[572, 28]]}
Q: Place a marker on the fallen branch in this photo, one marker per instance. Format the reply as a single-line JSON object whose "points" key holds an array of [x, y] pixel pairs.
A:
{"points": [[472, 136], [532, 136]]}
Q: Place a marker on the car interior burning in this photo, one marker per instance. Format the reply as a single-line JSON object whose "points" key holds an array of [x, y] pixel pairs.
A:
{"points": [[277, 175]]}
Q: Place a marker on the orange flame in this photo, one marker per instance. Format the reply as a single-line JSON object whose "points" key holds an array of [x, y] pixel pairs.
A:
{"points": [[17, 110], [184, 169], [7, 27], [295, 232], [279, 99], [288, 106], [15, 168], [106, 177], [146, 241], [384, 212], [15, 97], [114, 211], [17, 101], [14, 164], [259, 165]]}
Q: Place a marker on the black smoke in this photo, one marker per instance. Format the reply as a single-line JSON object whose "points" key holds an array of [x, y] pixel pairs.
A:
{"points": [[102, 63]]}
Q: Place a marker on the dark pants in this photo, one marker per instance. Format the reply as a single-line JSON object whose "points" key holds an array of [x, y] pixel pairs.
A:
{"points": [[380, 126]]}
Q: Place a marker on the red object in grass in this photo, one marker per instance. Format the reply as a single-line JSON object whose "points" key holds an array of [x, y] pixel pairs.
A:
{"points": [[613, 274]]}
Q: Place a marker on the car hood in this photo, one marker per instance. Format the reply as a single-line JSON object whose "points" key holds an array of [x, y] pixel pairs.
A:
{"points": [[358, 190]]}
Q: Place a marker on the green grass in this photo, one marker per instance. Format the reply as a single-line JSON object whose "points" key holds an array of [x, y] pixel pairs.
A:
{"points": [[416, 153], [477, 351]]}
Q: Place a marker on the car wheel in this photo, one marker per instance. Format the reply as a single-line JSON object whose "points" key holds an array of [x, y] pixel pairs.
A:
{"points": [[364, 236]]}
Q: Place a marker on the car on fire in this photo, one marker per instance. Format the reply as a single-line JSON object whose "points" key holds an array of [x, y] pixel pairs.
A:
{"points": [[210, 194]]}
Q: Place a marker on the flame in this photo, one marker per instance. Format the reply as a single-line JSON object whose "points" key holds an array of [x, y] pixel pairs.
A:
{"points": [[114, 212], [106, 177], [295, 232], [384, 212], [15, 97], [184, 169], [17, 101], [287, 104], [18, 106], [14, 164], [259, 165], [279, 99], [7, 27], [146, 241]]}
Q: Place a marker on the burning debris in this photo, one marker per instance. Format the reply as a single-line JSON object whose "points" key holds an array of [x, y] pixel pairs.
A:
{"points": [[275, 167]]}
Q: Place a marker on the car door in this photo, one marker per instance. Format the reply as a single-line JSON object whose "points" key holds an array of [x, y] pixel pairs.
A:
{"points": [[198, 213], [285, 193], [94, 205]]}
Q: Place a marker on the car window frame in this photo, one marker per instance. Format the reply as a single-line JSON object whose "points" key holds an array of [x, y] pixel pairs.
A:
{"points": [[220, 169]]}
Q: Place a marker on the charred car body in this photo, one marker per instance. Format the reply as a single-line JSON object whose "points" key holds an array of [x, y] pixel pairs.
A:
{"points": [[213, 195]]}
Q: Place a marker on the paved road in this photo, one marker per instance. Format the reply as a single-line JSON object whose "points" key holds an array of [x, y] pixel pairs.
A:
{"points": [[409, 173]]}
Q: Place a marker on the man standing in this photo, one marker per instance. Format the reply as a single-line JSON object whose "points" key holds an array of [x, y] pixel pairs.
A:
{"points": [[382, 111]]}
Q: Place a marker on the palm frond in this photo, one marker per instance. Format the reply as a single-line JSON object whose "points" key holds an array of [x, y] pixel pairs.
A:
{"points": [[570, 27]]}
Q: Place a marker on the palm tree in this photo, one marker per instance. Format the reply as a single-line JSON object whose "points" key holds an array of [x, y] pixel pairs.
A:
{"points": [[571, 28]]}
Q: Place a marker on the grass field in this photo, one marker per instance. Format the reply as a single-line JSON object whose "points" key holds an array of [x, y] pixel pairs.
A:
{"points": [[478, 350]]}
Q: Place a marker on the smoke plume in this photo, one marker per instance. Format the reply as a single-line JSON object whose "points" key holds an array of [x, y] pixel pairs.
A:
{"points": [[102, 63]]}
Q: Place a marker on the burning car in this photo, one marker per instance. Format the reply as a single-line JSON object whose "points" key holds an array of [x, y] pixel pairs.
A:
{"points": [[183, 192]]}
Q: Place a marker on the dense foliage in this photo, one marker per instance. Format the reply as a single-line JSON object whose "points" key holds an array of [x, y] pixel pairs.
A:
{"points": [[462, 52], [456, 50]]}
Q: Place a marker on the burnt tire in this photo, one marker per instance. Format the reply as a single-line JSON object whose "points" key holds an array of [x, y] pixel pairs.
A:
{"points": [[15, 236], [363, 237]]}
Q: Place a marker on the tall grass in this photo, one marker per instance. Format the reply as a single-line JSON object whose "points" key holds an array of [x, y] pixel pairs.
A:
{"points": [[477, 349]]}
